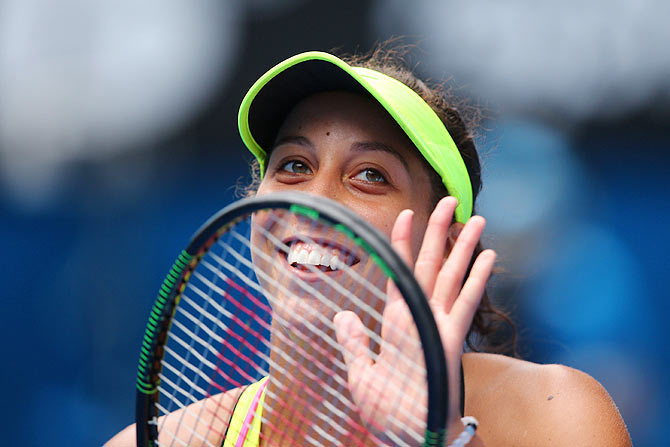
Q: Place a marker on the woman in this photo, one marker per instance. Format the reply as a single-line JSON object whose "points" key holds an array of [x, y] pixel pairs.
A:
{"points": [[401, 157]]}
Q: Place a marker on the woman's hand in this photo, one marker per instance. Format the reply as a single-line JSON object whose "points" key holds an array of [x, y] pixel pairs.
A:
{"points": [[397, 405]]}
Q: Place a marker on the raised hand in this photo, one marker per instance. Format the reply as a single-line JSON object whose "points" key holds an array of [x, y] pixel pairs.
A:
{"points": [[382, 388]]}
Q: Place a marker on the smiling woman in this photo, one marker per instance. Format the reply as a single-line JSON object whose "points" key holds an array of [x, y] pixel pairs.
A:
{"points": [[344, 147], [394, 152]]}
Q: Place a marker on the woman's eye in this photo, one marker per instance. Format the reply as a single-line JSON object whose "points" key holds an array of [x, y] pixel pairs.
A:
{"points": [[370, 175], [296, 167]]}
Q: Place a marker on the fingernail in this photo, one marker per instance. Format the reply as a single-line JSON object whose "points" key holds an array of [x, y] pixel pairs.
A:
{"points": [[340, 323], [448, 198]]}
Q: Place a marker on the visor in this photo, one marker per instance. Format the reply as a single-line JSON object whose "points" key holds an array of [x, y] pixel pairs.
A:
{"points": [[272, 97]]}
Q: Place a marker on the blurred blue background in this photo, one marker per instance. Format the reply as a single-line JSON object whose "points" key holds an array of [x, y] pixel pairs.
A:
{"points": [[118, 138]]}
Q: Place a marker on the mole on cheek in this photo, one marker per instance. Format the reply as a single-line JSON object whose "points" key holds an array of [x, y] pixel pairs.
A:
{"points": [[327, 134]]}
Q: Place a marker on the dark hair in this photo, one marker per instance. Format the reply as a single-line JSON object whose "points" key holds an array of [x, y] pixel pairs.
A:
{"points": [[492, 329]]}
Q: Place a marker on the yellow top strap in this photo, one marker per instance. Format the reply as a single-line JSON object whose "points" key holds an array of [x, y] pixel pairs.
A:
{"points": [[235, 437]]}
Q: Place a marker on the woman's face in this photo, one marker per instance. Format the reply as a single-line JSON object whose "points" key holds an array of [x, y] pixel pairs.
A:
{"points": [[347, 148]]}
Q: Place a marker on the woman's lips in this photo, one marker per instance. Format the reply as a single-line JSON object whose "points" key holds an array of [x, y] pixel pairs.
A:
{"points": [[305, 255]]}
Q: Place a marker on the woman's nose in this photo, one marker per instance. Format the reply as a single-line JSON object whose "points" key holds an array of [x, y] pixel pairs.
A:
{"points": [[325, 183]]}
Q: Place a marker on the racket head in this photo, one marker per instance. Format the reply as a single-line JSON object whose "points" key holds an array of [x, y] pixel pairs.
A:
{"points": [[237, 306]]}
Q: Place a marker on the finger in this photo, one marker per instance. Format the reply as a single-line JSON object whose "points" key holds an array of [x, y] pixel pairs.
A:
{"points": [[401, 235], [350, 334], [431, 255], [452, 273], [401, 241], [466, 305]]}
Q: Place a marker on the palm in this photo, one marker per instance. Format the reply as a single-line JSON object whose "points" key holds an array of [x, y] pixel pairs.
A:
{"points": [[390, 390]]}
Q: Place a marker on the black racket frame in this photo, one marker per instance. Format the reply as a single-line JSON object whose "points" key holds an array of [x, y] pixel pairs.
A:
{"points": [[332, 213]]}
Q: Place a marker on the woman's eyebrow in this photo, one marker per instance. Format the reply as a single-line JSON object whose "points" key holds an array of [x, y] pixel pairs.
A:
{"points": [[377, 146], [293, 139]]}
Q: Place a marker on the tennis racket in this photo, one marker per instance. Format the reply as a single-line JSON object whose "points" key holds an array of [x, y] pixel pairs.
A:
{"points": [[289, 320]]}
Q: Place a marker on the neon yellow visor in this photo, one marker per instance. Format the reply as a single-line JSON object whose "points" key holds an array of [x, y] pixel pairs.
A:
{"points": [[272, 97]]}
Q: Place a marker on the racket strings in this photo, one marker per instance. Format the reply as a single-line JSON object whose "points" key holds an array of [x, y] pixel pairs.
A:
{"points": [[220, 340], [361, 304], [365, 308], [244, 341], [339, 289], [205, 290], [313, 328], [333, 374]]}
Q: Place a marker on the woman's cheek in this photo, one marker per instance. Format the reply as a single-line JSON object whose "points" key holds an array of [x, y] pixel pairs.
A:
{"points": [[380, 220]]}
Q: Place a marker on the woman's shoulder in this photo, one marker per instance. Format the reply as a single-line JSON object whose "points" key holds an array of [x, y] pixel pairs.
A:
{"points": [[211, 415], [526, 403]]}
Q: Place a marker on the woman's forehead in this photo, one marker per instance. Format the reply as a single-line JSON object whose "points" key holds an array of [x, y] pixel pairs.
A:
{"points": [[337, 109]]}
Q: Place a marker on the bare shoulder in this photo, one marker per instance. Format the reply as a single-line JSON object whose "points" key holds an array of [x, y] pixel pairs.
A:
{"points": [[524, 403], [212, 413]]}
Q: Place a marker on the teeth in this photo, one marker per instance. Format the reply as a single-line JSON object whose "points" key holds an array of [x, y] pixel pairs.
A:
{"points": [[310, 255], [334, 262], [314, 258], [303, 256]]}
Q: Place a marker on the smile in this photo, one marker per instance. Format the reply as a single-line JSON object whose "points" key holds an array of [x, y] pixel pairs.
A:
{"points": [[325, 256]]}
